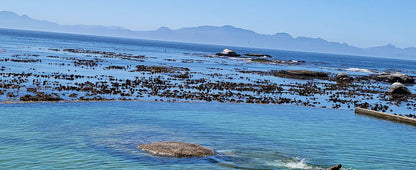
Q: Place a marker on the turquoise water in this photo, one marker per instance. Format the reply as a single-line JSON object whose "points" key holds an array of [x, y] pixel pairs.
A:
{"points": [[104, 135]]}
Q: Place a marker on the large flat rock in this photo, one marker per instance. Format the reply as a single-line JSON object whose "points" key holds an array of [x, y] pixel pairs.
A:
{"points": [[176, 149]]}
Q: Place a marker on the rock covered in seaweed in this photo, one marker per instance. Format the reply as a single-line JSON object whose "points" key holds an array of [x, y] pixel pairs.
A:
{"points": [[176, 149], [343, 77], [395, 77], [228, 53]]}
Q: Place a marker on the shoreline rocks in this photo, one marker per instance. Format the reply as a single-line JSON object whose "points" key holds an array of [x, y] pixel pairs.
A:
{"points": [[176, 149], [40, 97]]}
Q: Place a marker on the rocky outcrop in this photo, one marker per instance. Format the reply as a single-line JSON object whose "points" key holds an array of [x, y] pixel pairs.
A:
{"points": [[343, 77], [338, 167], [176, 149], [228, 53], [399, 88], [395, 77]]}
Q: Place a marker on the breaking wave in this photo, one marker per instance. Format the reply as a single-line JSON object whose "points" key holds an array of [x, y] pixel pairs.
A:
{"points": [[361, 70]]}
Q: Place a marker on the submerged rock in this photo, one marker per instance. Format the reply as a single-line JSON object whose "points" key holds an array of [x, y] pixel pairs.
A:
{"points": [[399, 88], [176, 149], [228, 53], [395, 77]]}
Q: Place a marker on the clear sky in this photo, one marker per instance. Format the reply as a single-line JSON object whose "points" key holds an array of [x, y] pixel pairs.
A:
{"points": [[362, 23]]}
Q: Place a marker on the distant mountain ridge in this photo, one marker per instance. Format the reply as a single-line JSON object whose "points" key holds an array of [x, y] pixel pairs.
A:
{"points": [[225, 35]]}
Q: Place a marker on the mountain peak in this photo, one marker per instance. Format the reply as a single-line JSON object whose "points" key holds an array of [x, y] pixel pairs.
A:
{"points": [[390, 46], [12, 15], [25, 16], [229, 27], [283, 35], [385, 47], [225, 28], [232, 28], [8, 13], [164, 29]]}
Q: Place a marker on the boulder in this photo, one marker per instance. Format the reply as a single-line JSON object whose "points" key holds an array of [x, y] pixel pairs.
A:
{"points": [[228, 53], [399, 88], [343, 77], [395, 77], [176, 149]]}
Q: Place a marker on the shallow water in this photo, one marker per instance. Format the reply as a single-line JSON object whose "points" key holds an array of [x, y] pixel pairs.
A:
{"points": [[104, 135]]}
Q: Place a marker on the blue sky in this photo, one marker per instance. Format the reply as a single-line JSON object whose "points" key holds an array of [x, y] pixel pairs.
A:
{"points": [[362, 23]]}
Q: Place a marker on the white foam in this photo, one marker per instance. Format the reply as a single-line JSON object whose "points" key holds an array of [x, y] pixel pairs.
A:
{"points": [[360, 70], [293, 163]]}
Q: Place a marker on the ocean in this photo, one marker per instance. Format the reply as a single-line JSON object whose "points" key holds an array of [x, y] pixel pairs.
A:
{"points": [[104, 134]]}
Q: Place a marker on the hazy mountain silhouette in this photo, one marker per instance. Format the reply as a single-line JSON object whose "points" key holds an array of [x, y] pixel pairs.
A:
{"points": [[225, 35]]}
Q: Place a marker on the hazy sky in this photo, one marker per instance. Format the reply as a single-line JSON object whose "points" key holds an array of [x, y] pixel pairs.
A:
{"points": [[362, 23]]}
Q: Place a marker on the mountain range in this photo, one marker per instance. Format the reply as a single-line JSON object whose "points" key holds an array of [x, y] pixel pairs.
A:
{"points": [[224, 35]]}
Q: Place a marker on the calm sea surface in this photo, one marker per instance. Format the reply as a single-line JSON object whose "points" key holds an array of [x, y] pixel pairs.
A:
{"points": [[104, 135]]}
